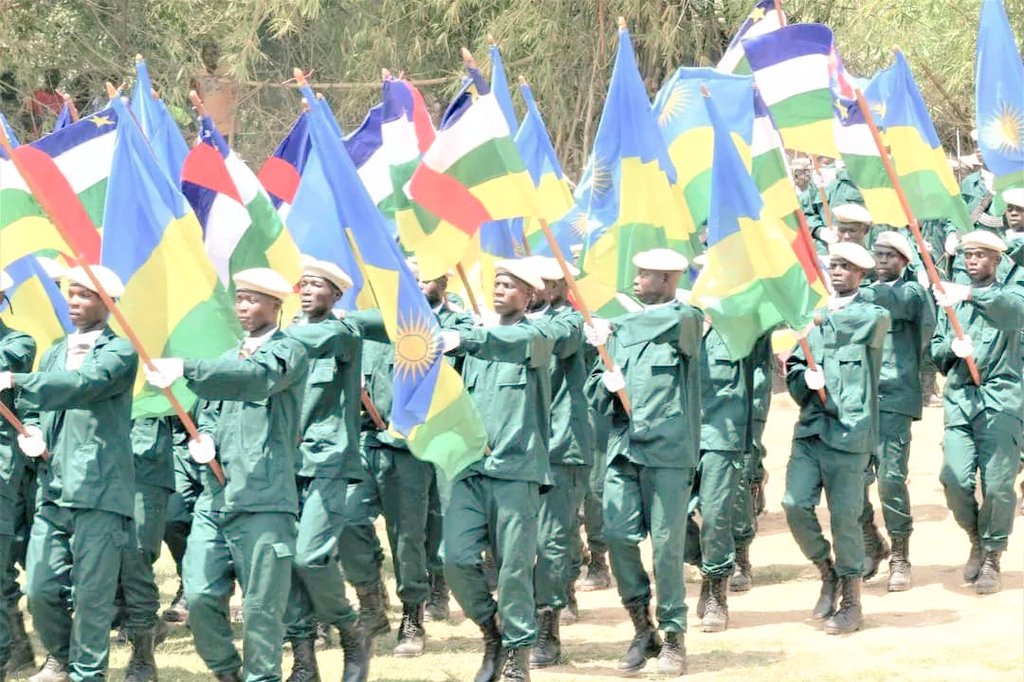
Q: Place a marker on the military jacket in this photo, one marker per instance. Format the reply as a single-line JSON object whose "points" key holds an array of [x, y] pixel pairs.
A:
{"points": [[572, 441], [726, 397], [17, 353], [152, 446]]}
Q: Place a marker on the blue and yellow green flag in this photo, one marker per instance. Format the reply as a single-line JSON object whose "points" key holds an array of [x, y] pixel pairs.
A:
{"points": [[35, 304], [999, 97], [153, 241], [157, 123], [431, 407]]}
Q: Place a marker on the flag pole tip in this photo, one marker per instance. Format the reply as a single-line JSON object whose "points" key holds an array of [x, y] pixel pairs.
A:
{"points": [[138, 57], [300, 77], [704, 90], [622, 23], [490, 40], [111, 90], [467, 57], [320, 96], [385, 75], [522, 80]]}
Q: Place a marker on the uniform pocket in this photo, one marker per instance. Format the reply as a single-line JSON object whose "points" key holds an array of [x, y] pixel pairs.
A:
{"points": [[282, 550]]}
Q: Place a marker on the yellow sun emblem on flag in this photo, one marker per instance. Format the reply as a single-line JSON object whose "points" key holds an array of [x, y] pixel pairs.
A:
{"points": [[579, 224], [677, 102], [415, 347], [601, 178], [1004, 129]]}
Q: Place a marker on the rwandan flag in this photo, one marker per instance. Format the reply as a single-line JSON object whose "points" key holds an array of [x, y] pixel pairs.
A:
{"points": [[72, 166], [628, 191], [280, 174], [999, 97], [763, 18], [157, 124], [752, 280], [499, 86], [241, 229], [917, 154], [35, 304], [686, 128], [431, 407], [152, 240]]}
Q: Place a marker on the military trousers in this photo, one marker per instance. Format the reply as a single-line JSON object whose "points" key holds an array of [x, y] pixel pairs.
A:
{"points": [[593, 507], [641, 501], [256, 548], [7, 510], [559, 551], [73, 558], [716, 487], [435, 530], [889, 465], [318, 584], [397, 486], [499, 515], [990, 443], [138, 583], [187, 486], [22, 514], [814, 466]]}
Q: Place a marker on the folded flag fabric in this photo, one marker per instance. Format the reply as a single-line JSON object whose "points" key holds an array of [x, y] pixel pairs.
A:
{"points": [[35, 304], [999, 97], [765, 17], [280, 173], [157, 123]]}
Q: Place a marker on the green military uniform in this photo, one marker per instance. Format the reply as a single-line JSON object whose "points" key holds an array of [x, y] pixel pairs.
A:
{"points": [[329, 460], [154, 482], [727, 413], [899, 396], [832, 443], [842, 190], [983, 423], [17, 353], [495, 502], [86, 495], [652, 453], [752, 475], [246, 528], [984, 206], [180, 505], [810, 203], [593, 499]]}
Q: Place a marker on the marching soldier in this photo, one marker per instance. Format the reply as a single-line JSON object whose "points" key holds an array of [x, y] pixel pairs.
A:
{"points": [[832, 442], [983, 423], [652, 453]]}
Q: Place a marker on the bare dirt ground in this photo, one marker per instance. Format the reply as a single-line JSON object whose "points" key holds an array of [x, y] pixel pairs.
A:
{"points": [[939, 630]]}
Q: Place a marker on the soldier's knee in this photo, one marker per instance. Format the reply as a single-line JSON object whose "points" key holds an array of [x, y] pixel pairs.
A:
{"points": [[956, 483], [43, 591]]}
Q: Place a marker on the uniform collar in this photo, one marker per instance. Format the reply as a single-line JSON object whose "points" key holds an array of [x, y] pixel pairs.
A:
{"points": [[251, 344]]}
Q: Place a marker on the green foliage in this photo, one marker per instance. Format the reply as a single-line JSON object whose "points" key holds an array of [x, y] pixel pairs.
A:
{"points": [[564, 48]]}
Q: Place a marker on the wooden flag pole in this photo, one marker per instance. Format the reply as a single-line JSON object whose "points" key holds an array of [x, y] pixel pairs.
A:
{"points": [[13, 420], [469, 291], [926, 256], [71, 107], [58, 221]]}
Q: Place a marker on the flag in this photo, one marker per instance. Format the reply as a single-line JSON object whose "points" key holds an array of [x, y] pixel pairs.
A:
{"points": [[553, 191], [499, 86], [471, 174], [752, 280], [157, 124], [791, 69], [999, 97], [71, 166], [628, 191], [280, 174], [431, 408], [763, 18], [241, 229], [35, 304], [64, 117], [152, 240], [686, 128], [917, 154], [11, 136]]}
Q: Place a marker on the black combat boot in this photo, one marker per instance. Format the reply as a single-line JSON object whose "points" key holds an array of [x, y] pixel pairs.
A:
{"points": [[372, 616], [988, 577], [142, 664], [741, 570], [899, 565], [716, 611], [849, 617], [826, 605], [515, 668], [21, 655], [598, 576], [233, 676], [672, 659], [490, 667], [411, 635], [876, 549], [973, 565], [356, 647], [304, 666], [548, 647], [646, 642], [702, 600], [437, 604], [177, 612]]}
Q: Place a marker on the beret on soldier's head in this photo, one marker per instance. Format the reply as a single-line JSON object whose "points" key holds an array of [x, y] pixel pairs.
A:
{"points": [[661, 260], [1014, 196], [107, 278], [522, 269], [983, 239], [852, 213], [326, 270], [549, 269], [852, 253], [263, 281], [897, 242]]}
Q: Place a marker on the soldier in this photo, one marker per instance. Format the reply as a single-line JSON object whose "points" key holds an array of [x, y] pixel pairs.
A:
{"points": [[652, 452], [832, 442], [330, 460], [559, 553], [180, 506], [977, 190], [17, 353], [495, 502], [83, 392], [244, 529], [983, 422], [899, 403], [853, 223]]}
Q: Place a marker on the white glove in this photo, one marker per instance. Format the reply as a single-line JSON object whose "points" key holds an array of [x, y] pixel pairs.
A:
{"points": [[613, 380], [202, 450], [962, 347], [488, 318], [951, 294], [829, 235], [450, 340], [6, 381], [922, 278], [814, 378], [951, 243], [597, 332], [168, 370], [32, 443]]}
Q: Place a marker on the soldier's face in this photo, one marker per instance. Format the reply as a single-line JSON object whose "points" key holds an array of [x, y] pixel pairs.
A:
{"points": [[889, 263], [1015, 217], [434, 290], [511, 296], [256, 311], [845, 276], [85, 308], [981, 263], [852, 232], [654, 286], [317, 295], [802, 178], [556, 291]]}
